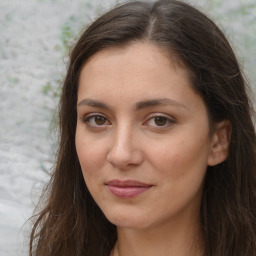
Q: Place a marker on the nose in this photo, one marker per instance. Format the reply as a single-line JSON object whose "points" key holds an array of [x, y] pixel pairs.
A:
{"points": [[125, 151]]}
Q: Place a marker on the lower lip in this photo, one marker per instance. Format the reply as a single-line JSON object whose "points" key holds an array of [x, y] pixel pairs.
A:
{"points": [[127, 192]]}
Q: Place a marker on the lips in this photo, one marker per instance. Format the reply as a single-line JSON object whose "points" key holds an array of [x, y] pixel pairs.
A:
{"points": [[127, 188]]}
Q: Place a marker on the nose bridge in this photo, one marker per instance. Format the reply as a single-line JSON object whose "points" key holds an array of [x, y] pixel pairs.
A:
{"points": [[124, 150], [123, 138], [122, 146]]}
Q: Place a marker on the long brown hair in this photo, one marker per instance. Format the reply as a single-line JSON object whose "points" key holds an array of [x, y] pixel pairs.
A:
{"points": [[70, 222]]}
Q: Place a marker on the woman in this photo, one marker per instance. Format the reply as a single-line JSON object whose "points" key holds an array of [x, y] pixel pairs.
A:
{"points": [[157, 146]]}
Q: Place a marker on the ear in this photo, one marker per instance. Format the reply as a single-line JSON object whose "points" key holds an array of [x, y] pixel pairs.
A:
{"points": [[220, 143]]}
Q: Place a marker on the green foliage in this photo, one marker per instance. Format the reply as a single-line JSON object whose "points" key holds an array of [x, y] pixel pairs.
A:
{"points": [[13, 80], [50, 90], [67, 33]]}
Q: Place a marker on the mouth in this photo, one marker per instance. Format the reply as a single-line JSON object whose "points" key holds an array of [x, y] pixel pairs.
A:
{"points": [[127, 188]]}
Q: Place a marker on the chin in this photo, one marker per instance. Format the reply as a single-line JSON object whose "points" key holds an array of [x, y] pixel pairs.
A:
{"points": [[127, 220]]}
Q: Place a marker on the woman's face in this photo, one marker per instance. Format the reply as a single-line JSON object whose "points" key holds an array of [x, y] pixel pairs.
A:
{"points": [[142, 136]]}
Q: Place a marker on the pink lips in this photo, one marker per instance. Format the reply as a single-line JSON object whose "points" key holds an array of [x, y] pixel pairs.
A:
{"points": [[127, 188]]}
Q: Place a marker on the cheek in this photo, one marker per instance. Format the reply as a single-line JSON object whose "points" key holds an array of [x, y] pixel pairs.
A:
{"points": [[180, 158], [91, 154], [90, 162], [180, 172], [167, 155]]}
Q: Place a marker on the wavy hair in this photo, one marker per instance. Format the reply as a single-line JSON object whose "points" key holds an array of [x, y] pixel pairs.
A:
{"points": [[70, 222]]}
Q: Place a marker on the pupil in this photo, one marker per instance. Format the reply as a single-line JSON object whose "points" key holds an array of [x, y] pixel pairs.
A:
{"points": [[160, 121], [99, 120]]}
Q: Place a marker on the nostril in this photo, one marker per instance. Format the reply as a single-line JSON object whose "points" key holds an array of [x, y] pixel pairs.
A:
{"points": [[119, 158], [124, 158]]}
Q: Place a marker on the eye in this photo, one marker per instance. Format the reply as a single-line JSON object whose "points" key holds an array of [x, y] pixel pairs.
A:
{"points": [[159, 121], [96, 120]]}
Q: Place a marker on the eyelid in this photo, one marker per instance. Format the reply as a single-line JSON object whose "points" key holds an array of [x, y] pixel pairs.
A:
{"points": [[170, 119], [88, 115], [86, 119]]}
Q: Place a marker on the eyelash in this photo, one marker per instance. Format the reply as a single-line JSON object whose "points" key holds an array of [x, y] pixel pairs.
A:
{"points": [[166, 119], [90, 117]]}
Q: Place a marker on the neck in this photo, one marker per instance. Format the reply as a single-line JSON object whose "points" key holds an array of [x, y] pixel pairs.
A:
{"points": [[172, 239]]}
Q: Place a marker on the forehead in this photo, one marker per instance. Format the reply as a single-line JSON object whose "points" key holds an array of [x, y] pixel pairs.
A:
{"points": [[141, 49], [139, 71], [136, 58]]}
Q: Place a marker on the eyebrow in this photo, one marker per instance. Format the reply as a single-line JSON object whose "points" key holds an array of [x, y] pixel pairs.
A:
{"points": [[92, 103], [157, 102], [139, 105]]}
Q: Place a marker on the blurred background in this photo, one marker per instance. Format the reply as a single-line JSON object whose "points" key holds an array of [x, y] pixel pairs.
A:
{"points": [[35, 36]]}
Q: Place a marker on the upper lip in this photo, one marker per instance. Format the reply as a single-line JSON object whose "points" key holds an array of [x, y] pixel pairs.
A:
{"points": [[127, 183]]}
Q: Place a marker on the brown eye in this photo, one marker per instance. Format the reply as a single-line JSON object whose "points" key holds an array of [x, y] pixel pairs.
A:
{"points": [[96, 120], [99, 120], [160, 120]]}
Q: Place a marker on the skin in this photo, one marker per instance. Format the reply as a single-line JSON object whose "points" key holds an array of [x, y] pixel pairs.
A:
{"points": [[118, 137]]}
